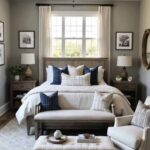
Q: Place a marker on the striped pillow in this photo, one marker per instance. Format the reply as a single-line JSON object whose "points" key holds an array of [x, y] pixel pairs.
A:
{"points": [[68, 80], [141, 116], [101, 102]]}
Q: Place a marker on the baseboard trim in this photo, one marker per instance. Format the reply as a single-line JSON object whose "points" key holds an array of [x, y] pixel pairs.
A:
{"points": [[4, 109]]}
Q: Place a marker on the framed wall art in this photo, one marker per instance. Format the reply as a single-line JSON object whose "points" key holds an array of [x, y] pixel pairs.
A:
{"points": [[1, 31], [26, 39], [2, 54], [124, 40]]}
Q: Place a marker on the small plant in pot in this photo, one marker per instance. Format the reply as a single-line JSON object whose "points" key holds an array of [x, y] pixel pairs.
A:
{"points": [[16, 71]]}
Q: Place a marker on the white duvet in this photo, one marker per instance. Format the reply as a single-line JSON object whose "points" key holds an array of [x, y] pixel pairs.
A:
{"points": [[79, 95]]}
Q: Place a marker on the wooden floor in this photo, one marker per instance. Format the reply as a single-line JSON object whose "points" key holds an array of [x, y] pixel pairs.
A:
{"points": [[6, 118]]}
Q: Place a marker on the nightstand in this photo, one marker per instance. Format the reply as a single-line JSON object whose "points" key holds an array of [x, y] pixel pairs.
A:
{"points": [[129, 89], [18, 89]]}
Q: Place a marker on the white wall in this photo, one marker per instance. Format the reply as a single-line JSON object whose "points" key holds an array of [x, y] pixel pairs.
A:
{"points": [[5, 17], [144, 75]]}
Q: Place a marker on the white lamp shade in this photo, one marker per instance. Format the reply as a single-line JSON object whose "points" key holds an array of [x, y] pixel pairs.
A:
{"points": [[124, 61], [27, 58]]}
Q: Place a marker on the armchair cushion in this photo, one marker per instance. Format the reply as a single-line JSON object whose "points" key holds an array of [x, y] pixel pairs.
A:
{"points": [[128, 135], [141, 116]]}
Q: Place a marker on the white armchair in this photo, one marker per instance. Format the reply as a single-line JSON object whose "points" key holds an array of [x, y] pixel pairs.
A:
{"points": [[129, 137]]}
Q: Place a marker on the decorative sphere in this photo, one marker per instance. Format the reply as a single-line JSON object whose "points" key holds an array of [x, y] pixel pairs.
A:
{"points": [[57, 134]]}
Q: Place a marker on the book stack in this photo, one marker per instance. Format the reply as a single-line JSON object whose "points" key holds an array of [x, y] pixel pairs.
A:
{"points": [[86, 138]]}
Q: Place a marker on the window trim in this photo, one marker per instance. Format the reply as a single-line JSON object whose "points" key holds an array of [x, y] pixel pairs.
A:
{"points": [[83, 14]]}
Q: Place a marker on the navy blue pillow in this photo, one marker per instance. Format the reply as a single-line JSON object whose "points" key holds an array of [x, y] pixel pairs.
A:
{"points": [[94, 74], [57, 74], [49, 102]]}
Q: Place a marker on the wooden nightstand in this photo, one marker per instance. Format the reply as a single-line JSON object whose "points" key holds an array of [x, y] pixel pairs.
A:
{"points": [[18, 89], [129, 89]]}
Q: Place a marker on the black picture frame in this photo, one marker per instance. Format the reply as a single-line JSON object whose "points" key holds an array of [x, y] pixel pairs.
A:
{"points": [[1, 31], [2, 54], [26, 39], [124, 41]]}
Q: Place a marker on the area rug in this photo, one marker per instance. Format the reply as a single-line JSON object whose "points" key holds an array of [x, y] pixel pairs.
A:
{"points": [[14, 137]]}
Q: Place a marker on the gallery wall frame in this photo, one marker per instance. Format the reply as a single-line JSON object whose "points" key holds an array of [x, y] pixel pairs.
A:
{"points": [[26, 39], [1, 31], [2, 54], [124, 41]]}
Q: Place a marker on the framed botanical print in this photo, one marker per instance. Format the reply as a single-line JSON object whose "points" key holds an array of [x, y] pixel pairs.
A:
{"points": [[124, 40], [2, 54], [26, 39], [1, 31]]}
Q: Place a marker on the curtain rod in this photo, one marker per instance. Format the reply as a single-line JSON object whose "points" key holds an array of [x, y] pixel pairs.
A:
{"points": [[74, 4]]}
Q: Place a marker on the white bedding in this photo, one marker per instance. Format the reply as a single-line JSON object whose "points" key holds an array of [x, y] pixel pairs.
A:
{"points": [[80, 97]]}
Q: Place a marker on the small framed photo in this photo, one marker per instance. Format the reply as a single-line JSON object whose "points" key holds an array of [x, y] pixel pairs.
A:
{"points": [[2, 54], [124, 40], [1, 31], [26, 39]]}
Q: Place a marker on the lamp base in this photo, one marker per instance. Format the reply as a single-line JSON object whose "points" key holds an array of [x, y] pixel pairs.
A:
{"points": [[124, 74], [28, 73]]}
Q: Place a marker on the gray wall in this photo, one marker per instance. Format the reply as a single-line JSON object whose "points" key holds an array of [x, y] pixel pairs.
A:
{"points": [[24, 16], [5, 17], [144, 75], [125, 17]]}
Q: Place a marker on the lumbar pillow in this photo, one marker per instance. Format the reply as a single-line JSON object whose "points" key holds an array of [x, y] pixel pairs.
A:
{"points": [[57, 74], [141, 116], [100, 75], [75, 71], [49, 102], [101, 102], [94, 74], [68, 80]]}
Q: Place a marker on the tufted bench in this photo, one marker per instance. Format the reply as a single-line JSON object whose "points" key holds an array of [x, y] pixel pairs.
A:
{"points": [[104, 142]]}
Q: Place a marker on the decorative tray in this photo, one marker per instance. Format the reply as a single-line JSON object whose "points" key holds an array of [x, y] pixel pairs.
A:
{"points": [[53, 140]]}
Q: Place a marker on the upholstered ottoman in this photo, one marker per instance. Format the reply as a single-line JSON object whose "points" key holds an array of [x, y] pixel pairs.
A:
{"points": [[104, 143]]}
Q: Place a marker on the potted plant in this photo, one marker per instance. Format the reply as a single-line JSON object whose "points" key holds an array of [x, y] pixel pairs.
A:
{"points": [[16, 71]]}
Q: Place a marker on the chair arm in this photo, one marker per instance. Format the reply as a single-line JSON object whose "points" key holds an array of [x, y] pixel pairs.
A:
{"points": [[37, 108], [123, 120], [145, 139]]}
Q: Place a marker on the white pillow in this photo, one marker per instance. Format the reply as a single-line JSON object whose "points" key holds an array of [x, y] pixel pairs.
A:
{"points": [[49, 75], [68, 80], [101, 102], [100, 75], [75, 71]]}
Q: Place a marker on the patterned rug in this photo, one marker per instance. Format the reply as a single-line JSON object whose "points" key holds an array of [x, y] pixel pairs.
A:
{"points": [[14, 137]]}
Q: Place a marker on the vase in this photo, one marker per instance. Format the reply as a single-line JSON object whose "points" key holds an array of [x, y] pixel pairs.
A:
{"points": [[17, 77]]}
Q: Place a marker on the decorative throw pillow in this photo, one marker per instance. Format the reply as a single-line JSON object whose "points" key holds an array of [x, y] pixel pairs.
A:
{"points": [[101, 102], [141, 116], [94, 73], [49, 102], [100, 75], [57, 74], [75, 71], [68, 80]]}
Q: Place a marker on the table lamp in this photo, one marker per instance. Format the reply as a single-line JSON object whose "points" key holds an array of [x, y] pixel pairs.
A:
{"points": [[28, 59], [124, 61]]}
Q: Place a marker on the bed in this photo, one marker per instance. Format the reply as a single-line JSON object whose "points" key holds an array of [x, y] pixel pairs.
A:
{"points": [[72, 94]]}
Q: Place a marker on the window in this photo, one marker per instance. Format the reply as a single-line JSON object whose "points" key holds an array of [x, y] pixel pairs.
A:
{"points": [[74, 36]]}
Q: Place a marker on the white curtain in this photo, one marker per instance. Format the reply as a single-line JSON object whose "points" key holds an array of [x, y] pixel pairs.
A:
{"points": [[104, 33], [44, 36]]}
